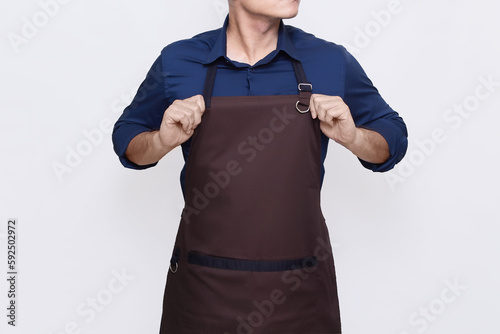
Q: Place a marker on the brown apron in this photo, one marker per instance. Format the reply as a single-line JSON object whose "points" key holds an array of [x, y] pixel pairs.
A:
{"points": [[252, 253]]}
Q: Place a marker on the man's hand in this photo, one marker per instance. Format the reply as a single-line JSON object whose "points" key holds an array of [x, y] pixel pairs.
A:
{"points": [[180, 120], [336, 122], [177, 126], [335, 116]]}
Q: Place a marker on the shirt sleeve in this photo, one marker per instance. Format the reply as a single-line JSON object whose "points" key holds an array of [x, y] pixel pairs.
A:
{"points": [[370, 111], [144, 114]]}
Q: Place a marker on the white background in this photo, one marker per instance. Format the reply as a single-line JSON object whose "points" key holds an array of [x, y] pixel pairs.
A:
{"points": [[400, 239]]}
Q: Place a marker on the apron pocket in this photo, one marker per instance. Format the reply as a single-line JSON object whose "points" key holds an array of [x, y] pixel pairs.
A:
{"points": [[228, 295], [250, 265]]}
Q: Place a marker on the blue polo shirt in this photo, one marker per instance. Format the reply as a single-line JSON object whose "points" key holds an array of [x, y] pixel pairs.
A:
{"points": [[179, 72]]}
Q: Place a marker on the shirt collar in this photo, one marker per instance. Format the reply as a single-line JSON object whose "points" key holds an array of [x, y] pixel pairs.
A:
{"points": [[285, 44]]}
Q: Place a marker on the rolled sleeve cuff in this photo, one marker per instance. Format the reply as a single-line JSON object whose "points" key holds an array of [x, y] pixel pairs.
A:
{"points": [[122, 136], [396, 136]]}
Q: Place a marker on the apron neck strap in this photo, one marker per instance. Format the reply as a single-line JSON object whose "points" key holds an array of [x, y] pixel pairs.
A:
{"points": [[304, 86], [299, 73], [208, 88]]}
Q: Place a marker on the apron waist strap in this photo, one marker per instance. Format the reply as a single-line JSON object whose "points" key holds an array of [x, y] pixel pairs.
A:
{"points": [[250, 265]]}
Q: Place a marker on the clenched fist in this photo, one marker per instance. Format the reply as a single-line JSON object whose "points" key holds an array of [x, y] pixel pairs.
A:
{"points": [[336, 122], [177, 126], [335, 116], [180, 120]]}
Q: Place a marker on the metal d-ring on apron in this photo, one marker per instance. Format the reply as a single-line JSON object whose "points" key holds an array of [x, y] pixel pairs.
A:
{"points": [[252, 253]]}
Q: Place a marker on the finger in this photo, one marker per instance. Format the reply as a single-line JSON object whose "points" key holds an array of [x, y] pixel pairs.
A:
{"points": [[198, 103], [312, 106], [189, 119], [183, 115], [195, 110], [201, 102], [333, 112], [330, 109], [320, 104], [196, 119]]}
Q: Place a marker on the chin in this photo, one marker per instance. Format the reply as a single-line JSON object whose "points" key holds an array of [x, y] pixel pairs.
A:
{"points": [[276, 9], [290, 9], [290, 14]]}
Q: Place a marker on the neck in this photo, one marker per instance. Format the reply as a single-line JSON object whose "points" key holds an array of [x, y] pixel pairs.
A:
{"points": [[251, 38]]}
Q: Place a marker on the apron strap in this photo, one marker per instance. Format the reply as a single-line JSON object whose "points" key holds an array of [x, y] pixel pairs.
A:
{"points": [[299, 72], [250, 265], [304, 86], [208, 88]]}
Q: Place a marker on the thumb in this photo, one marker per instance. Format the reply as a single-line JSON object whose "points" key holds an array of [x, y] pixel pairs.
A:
{"points": [[199, 100], [312, 108]]}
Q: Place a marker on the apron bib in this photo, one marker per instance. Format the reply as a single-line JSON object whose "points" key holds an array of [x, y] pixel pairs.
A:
{"points": [[252, 254]]}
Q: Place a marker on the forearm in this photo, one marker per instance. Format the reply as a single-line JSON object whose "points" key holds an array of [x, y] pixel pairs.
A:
{"points": [[146, 148], [369, 146]]}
